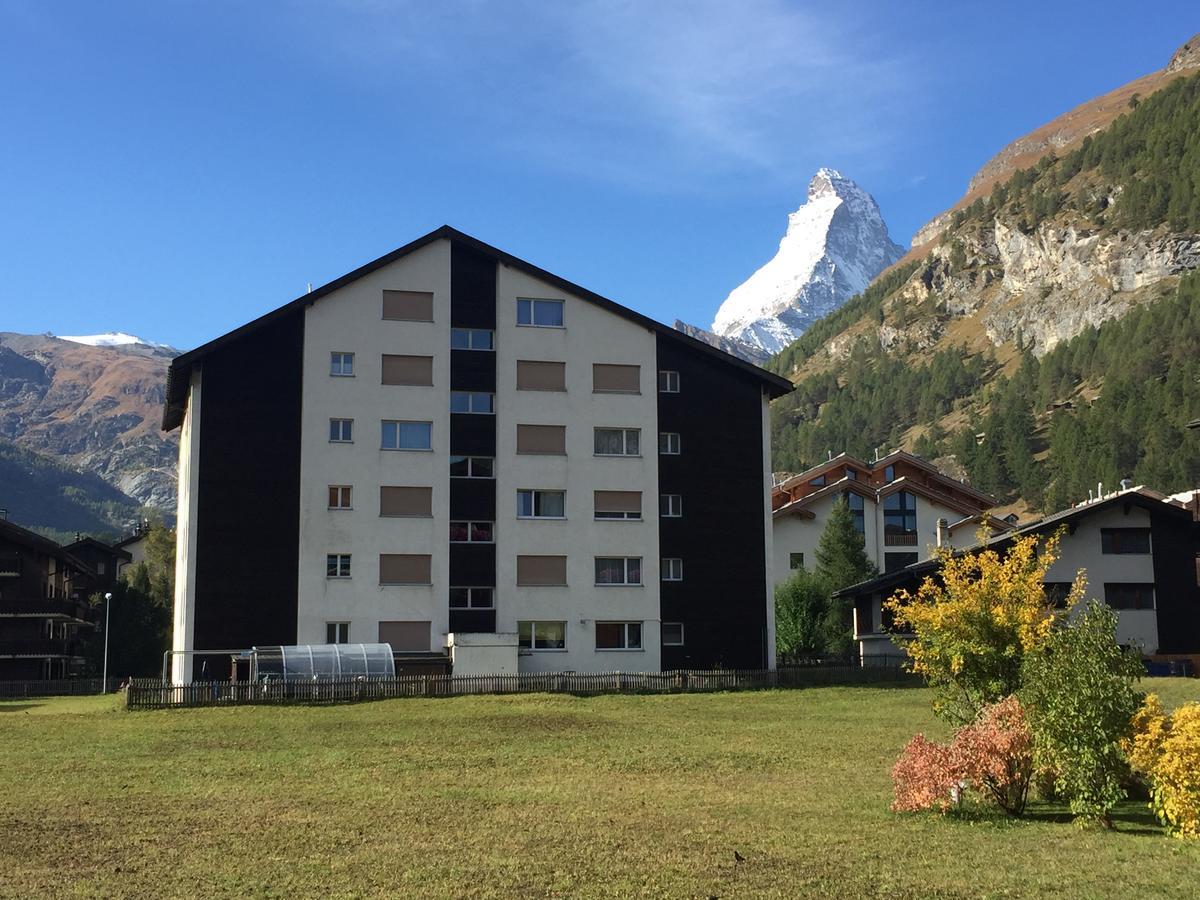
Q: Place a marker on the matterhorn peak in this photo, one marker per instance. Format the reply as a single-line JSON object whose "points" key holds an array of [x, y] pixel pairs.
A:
{"points": [[835, 244]]}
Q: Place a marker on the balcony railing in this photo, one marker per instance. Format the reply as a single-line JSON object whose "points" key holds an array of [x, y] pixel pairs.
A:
{"points": [[49, 608], [900, 539], [41, 647]]}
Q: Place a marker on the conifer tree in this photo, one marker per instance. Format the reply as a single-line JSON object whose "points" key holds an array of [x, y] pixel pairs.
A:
{"points": [[841, 561]]}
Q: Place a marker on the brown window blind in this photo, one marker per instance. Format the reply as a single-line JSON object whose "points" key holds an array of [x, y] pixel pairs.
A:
{"points": [[404, 568], [406, 635], [414, 306], [621, 379], [542, 439], [619, 501], [535, 375], [541, 570], [405, 501], [407, 369]]}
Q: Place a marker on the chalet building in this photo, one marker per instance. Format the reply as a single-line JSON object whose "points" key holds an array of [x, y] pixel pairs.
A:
{"points": [[452, 450], [1139, 552], [902, 505], [45, 617], [106, 560]]}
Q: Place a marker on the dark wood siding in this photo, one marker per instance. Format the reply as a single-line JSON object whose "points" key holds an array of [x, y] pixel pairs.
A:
{"points": [[1176, 594], [473, 499]]}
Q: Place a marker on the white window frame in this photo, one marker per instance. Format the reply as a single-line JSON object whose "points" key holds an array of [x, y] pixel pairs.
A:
{"points": [[533, 504], [341, 564], [471, 523], [533, 648], [667, 446], [343, 426], [337, 364], [473, 336], [670, 506], [470, 461], [672, 568], [345, 491], [668, 381], [474, 399], [609, 516], [626, 560], [383, 423], [665, 642], [533, 307], [625, 648], [341, 633], [625, 432], [471, 589]]}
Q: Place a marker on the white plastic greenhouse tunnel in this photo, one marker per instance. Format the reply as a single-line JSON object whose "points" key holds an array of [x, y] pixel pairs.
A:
{"points": [[319, 662]]}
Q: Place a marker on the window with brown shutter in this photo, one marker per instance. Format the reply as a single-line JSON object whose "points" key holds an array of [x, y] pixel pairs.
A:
{"points": [[416, 370], [411, 306], [405, 568], [543, 439], [618, 504], [542, 570], [614, 379], [405, 501], [537, 375], [411, 636]]}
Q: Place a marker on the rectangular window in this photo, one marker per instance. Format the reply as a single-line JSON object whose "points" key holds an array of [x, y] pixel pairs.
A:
{"points": [[337, 632], [893, 562], [889, 474], [857, 510], [670, 506], [341, 431], [339, 496], [1124, 540], [540, 313], [341, 364], [616, 379], [542, 635], [796, 560], [414, 502], [475, 402], [1129, 596], [617, 441], [668, 443], [405, 568], [672, 634], [337, 565], [850, 473], [472, 467], [900, 519], [1057, 592], [411, 370], [548, 440], [668, 382], [408, 306], [471, 339], [819, 481], [472, 598], [471, 533], [618, 570], [618, 635], [542, 570], [672, 568], [618, 504], [406, 435], [541, 375], [534, 504]]}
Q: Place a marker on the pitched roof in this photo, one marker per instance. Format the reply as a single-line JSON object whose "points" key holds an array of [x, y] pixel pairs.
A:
{"points": [[35, 541], [87, 540], [883, 462], [179, 375]]}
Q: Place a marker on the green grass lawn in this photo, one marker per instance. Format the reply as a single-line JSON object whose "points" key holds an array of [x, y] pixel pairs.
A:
{"points": [[529, 796]]}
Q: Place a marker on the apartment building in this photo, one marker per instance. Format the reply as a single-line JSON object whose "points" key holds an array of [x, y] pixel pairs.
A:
{"points": [[452, 450]]}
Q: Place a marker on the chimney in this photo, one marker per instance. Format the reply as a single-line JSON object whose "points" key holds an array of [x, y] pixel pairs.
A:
{"points": [[1126, 483], [943, 533]]}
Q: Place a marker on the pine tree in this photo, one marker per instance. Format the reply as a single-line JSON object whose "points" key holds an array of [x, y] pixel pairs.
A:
{"points": [[841, 561]]}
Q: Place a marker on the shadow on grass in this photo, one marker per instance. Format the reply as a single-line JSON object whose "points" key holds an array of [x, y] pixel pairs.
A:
{"points": [[18, 707], [1129, 818]]}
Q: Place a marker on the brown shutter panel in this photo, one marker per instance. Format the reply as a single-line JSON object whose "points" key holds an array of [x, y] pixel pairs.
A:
{"points": [[413, 306], [535, 375], [405, 501], [406, 635], [407, 369], [405, 568], [619, 501], [536, 570], [619, 379], [542, 439]]}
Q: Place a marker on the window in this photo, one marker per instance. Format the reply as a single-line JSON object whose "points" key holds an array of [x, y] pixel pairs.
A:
{"points": [[472, 598], [618, 441], [541, 375], [540, 313], [337, 632], [471, 533], [1125, 540], [405, 568], [616, 379], [472, 402], [668, 443], [1057, 593], [472, 467], [341, 364], [618, 504], [339, 496], [850, 473], [670, 506], [796, 560], [893, 562], [616, 570], [1129, 596], [406, 435], [405, 502], [341, 431], [889, 474], [411, 306], [672, 634], [857, 511], [542, 635], [337, 565], [542, 570], [535, 504], [668, 382], [546, 440], [819, 481], [672, 568], [412, 370], [471, 339], [618, 635], [900, 519]]}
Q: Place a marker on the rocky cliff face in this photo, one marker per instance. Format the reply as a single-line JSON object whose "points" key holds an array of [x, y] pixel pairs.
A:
{"points": [[740, 349]]}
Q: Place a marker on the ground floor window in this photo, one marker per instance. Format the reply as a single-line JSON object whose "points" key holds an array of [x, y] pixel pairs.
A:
{"points": [[542, 635], [1129, 596], [618, 635], [337, 632], [672, 634]]}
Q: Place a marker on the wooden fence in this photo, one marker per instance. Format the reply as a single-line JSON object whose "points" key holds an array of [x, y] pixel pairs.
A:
{"points": [[146, 693], [59, 687]]}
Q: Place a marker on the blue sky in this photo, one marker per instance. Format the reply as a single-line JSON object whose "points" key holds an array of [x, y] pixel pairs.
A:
{"points": [[174, 169]]}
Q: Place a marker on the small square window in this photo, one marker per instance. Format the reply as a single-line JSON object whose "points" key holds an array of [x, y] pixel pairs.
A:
{"points": [[341, 364], [337, 632], [668, 443], [339, 496], [672, 634], [540, 313], [796, 560], [668, 382], [672, 568], [337, 565], [670, 506], [341, 431]]}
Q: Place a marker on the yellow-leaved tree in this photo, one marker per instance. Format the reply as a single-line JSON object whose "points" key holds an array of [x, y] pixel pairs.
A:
{"points": [[1166, 748]]}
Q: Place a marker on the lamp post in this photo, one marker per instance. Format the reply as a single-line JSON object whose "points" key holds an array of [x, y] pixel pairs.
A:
{"points": [[107, 608]]}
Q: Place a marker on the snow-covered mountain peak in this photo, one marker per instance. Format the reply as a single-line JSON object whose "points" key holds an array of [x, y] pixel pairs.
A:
{"points": [[109, 339]]}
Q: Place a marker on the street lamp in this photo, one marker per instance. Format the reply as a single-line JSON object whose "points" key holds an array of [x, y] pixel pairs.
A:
{"points": [[107, 607]]}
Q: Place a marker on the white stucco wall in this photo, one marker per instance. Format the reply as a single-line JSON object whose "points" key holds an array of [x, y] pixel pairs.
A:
{"points": [[483, 654], [183, 634]]}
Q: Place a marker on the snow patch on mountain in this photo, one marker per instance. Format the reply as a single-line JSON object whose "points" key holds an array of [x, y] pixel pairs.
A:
{"points": [[109, 339], [835, 244]]}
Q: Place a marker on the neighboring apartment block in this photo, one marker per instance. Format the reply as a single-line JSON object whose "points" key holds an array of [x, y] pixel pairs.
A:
{"points": [[450, 447], [902, 505]]}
